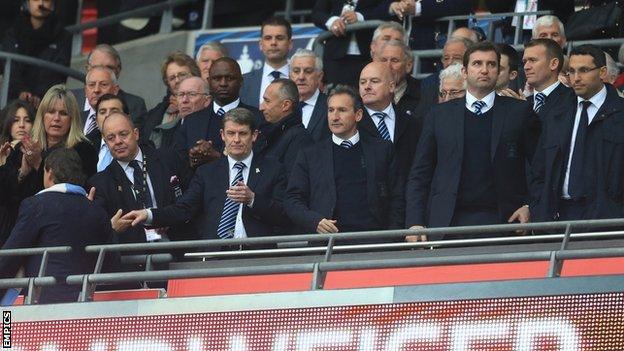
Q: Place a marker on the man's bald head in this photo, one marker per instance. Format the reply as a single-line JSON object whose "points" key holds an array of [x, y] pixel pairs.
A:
{"points": [[193, 95], [466, 33], [376, 86], [120, 136]]}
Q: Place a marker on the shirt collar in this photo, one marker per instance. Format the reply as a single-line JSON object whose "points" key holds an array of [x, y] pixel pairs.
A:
{"points": [[312, 100], [87, 107], [388, 111], [549, 89], [284, 70], [354, 139], [488, 99], [246, 161], [226, 108], [598, 99], [139, 157]]}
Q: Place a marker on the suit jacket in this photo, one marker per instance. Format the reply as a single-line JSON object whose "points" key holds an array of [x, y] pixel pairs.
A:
{"points": [[250, 91], [434, 178], [135, 103], [336, 47], [407, 130], [114, 189], [318, 127], [430, 90], [604, 165], [283, 140], [553, 100], [311, 192], [205, 198], [204, 124], [43, 221]]}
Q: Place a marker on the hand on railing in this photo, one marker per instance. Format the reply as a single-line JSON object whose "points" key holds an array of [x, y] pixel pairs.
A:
{"points": [[522, 215], [416, 238]]}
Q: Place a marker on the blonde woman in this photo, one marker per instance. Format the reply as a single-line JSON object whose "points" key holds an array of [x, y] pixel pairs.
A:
{"points": [[57, 124]]}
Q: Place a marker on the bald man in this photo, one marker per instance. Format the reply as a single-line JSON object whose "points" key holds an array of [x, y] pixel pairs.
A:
{"points": [[381, 119]]}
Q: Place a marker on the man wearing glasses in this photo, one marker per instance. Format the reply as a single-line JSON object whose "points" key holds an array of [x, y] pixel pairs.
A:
{"points": [[452, 83], [579, 164]]}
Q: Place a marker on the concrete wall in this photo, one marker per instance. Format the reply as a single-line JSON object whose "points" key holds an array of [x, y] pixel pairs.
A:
{"points": [[141, 60]]}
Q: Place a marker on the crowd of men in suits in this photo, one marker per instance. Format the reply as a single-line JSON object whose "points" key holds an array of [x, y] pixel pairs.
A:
{"points": [[272, 152]]}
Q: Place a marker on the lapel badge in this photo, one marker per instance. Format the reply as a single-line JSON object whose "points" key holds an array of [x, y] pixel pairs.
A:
{"points": [[119, 188], [257, 170]]}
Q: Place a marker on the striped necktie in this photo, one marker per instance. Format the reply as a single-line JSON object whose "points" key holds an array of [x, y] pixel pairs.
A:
{"points": [[91, 124], [225, 230], [382, 128], [347, 144], [540, 100], [220, 112], [478, 106]]}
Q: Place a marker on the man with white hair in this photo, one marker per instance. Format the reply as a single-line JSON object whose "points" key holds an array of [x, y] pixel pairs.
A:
{"points": [[206, 54], [613, 71], [550, 27], [306, 70], [452, 83], [384, 33], [100, 80]]}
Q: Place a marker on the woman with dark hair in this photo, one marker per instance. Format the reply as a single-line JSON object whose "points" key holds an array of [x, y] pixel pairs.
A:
{"points": [[17, 119]]}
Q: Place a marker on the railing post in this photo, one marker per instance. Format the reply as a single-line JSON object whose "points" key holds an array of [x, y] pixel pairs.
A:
{"points": [[519, 27], [6, 78], [288, 9], [318, 276], [207, 18], [555, 265], [166, 20]]}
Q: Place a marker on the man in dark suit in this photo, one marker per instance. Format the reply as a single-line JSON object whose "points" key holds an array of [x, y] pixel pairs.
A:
{"points": [[469, 167], [284, 134], [399, 59], [381, 119], [60, 215], [345, 54], [236, 196], [99, 81], [346, 183], [275, 43], [543, 61], [579, 164], [105, 55], [198, 138], [138, 177], [306, 70], [107, 104]]}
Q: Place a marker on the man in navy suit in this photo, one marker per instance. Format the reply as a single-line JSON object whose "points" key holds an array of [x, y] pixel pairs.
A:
{"points": [[275, 43], [98, 82], [198, 137], [543, 61], [60, 215], [236, 196], [348, 182], [579, 163], [138, 177], [469, 167], [382, 119], [306, 70]]}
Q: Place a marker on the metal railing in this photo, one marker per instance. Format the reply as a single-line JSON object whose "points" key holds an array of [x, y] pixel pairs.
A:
{"points": [[33, 284], [320, 268], [32, 61]]}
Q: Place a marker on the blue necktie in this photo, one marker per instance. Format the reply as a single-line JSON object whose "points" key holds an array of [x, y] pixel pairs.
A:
{"points": [[478, 106], [225, 230], [347, 144], [540, 100], [220, 112], [575, 180], [275, 74], [382, 128]]}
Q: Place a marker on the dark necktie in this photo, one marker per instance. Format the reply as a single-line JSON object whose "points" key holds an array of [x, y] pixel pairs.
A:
{"points": [[575, 181], [347, 144], [382, 128], [300, 106], [140, 187], [91, 124], [478, 106], [227, 223], [275, 75], [220, 112], [540, 100]]}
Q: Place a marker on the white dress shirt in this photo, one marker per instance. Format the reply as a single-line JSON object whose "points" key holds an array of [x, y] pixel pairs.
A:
{"points": [[354, 139], [390, 120], [308, 108], [239, 227], [232, 105], [353, 49], [596, 102], [488, 99], [546, 92], [267, 78]]}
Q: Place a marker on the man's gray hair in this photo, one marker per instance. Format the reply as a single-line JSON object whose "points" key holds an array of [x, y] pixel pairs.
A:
{"points": [[318, 62], [110, 72], [107, 49], [407, 53], [287, 90], [452, 40], [547, 21], [453, 71], [204, 83], [214, 46], [612, 69], [388, 25], [240, 115]]}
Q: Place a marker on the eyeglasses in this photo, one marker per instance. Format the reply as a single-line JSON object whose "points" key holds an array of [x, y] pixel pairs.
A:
{"points": [[190, 94], [581, 71], [452, 94], [180, 76]]}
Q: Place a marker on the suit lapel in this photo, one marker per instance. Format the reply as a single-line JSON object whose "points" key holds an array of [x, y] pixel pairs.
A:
{"points": [[255, 172], [368, 124], [400, 124], [222, 179], [124, 186], [327, 164], [369, 159], [457, 119], [319, 111], [498, 121], [157, 176]]}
